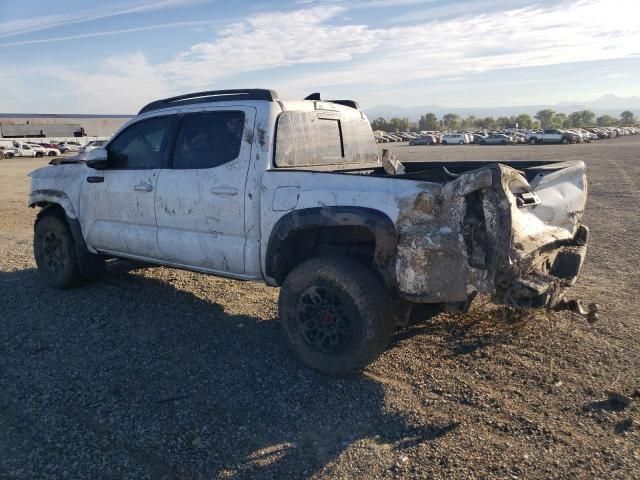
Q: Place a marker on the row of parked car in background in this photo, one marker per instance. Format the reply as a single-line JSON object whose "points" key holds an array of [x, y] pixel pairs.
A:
{"points": [[15, 148], [507, 136]]}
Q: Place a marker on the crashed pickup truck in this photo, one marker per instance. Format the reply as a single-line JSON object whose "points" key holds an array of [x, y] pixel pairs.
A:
{"points": [[241, 184]]}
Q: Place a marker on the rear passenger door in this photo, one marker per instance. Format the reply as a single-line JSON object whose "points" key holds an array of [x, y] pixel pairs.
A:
{"points": [[200, 196]]}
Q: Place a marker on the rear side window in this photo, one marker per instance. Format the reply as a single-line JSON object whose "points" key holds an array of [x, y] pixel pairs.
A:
{"points": [[208, 139], [140, 146]]}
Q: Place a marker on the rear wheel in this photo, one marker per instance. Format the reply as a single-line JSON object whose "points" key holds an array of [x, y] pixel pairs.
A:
{"points": [[335, 314], [503, 142], [460, 142]]}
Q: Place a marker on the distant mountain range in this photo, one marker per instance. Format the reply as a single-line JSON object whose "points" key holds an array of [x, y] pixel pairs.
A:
{"points": [[606, 105]]}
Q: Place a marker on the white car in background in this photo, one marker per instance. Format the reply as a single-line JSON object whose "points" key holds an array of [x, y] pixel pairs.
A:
{"points": [[455, 139], [92, 145], [45, 151], [65, 147]]}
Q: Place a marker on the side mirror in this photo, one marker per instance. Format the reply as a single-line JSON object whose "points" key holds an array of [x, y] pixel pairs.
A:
{"points": [[97, 158]]}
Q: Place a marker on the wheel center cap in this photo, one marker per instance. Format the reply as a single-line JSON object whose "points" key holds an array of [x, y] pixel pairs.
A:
{"points": [[328, 319]]}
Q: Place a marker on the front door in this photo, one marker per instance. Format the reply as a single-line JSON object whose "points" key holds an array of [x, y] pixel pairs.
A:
{"points": [[117, 204], [200, 197]]}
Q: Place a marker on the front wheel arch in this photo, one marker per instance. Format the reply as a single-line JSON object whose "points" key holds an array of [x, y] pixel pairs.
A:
{"points": [[90, 264]]}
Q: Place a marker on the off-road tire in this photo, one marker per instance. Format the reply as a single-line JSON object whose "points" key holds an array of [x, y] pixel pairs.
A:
{"points": [[361, 295], [55, 253]]}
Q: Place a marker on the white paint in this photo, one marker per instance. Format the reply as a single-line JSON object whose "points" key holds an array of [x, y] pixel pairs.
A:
{"points": [[219, 220]]}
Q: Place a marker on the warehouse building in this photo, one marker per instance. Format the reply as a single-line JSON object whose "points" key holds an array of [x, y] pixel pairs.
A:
{"points": [[28, 125]]}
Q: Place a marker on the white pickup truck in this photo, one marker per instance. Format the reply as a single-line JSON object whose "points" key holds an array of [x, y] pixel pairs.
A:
{"points": [[242, 184], [21, 149], [550, 135]]}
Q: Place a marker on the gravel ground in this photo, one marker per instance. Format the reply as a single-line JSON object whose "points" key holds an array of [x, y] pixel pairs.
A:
{"points": [[159, 373]]}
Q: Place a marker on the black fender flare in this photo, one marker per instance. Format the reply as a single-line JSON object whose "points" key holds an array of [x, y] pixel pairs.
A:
{"points": [[377, 222]]}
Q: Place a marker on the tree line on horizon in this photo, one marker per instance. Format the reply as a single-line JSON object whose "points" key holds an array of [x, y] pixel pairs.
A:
{"points": [[546, 118]]}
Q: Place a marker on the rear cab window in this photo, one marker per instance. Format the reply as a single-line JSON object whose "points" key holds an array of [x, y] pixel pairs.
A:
{"points": [[323, 138]]}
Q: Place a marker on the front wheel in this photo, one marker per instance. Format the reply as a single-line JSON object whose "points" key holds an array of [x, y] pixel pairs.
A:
{"points": [[564, 141], [533, 141], [335, 314], [55, 252]]}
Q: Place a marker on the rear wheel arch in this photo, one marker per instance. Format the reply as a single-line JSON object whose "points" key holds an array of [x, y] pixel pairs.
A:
{"points": [[363, 233]]}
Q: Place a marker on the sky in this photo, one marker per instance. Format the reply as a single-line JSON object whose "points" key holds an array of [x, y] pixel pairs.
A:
{"points": [[112, 57]]}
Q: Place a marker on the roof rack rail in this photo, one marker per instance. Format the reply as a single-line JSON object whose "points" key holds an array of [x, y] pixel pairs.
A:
{"points": [[212, 96], [346, 103]]}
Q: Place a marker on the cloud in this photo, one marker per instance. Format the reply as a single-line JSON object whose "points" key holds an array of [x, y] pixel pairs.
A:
{"points": [[526, 37], [121, 85], [616, 76], [108, 32], [465, 8], [530, 36], [31, 24], [343, 54], [272, 40]]}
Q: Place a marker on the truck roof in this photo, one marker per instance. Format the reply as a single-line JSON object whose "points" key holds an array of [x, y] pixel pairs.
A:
{"points": [[311, 102]]}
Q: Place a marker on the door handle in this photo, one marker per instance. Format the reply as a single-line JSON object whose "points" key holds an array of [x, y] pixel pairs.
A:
{"points": [[143, 187], [95, 179], [224, 191]]}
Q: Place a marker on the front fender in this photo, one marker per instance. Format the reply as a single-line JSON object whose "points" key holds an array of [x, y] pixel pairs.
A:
{"points": [[48, 196]]}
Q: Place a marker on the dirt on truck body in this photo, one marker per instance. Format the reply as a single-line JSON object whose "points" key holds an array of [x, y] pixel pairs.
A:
{"points": [[238, 183]]}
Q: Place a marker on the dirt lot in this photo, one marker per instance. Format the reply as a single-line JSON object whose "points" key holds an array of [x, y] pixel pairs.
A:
{"points": [[158, 373]]}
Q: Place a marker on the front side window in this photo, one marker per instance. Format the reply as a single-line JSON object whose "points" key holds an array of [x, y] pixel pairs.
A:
{"points": [[208, 139], [140, 146]]}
